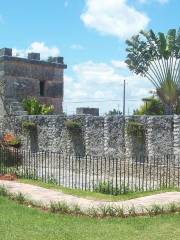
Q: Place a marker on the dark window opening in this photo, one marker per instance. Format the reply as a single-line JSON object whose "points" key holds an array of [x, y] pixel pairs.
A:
{"points": [[42, 85]]}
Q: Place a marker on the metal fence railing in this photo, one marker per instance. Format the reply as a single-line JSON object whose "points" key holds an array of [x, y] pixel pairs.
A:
{"points": [[106, 173]]}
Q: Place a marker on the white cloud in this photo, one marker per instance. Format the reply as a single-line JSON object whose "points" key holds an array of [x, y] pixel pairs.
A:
{"points": [[119, 64], [39, 47], [96, 83], [99, 73], [77, 47], [150, 1], [113, 17]]}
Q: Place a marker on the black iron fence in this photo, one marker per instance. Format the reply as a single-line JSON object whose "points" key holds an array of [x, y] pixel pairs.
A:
{"points": [[114, 175]]}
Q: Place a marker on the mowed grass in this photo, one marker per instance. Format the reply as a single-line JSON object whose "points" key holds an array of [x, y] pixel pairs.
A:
{"points": [[95, 195], [19, 222]]}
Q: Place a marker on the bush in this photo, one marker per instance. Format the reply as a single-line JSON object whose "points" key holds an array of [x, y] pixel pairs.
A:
{"points": [[108, 188], [59, 207], [10, 140], [153, 106], [29, 126], [16, 143], [34, 107], [3, 191], [73, 126]]}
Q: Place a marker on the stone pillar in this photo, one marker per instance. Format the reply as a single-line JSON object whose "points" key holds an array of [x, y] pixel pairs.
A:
{"points": [[106, 136], [160, 135], [86, 136], [176, 134], [150, 136]]}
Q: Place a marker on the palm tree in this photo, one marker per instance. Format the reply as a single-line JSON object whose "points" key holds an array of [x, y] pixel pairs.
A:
{"points": [[168, 93], [157, 57]]}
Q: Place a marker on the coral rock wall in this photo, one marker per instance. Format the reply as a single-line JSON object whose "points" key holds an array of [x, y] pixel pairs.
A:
{"points": [[99, 135]]}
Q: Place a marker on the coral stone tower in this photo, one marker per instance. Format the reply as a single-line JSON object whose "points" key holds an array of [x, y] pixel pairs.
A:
{"points": [[30, 77]]}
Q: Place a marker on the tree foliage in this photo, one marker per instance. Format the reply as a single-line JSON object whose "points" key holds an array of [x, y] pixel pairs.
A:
{"points": [[153, 106], [34, 107], [113, 112], [157, 57]]}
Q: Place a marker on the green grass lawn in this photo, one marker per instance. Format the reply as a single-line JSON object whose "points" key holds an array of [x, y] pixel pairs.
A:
{"points": [[95, 195], [19, 222]]}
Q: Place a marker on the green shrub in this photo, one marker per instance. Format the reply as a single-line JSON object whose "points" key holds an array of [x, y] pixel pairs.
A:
{"points": [[34, 107], [20, 198], [108, 188], [108, 211], [26, 174], [29, 126], [73, 126], [9, 140], [173, 207], [152, 106], [52, 180], [59, 207], [16, 143], [3, 191], [104, 187], [155, 210], [132, 211], [76, 210]]}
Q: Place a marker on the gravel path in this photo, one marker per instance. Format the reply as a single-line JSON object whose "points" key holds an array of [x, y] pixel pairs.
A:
{"points": [[46, 196]]}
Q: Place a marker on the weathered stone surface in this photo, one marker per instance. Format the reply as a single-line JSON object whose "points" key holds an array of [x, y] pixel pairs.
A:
{"points": [[6, 52], [113, 135], [23, 77], [99, 135], [34, 56], [87, 110], [160, 135]]}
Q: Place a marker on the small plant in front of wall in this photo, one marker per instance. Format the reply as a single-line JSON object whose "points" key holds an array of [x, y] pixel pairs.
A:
{"points": [[29, 126], [10, 140], [73, 126], [34, 107], [135, 129]]}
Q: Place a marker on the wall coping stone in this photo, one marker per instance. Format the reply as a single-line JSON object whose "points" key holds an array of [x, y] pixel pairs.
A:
{"points": [[32, 61]]}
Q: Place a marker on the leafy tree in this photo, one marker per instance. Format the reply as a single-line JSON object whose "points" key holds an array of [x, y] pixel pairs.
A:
{"points": [[34, 107], [152, 106], [113, 112], [157, 58]]}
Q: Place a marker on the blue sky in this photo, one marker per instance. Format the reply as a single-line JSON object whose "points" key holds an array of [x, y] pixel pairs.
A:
{"points": [[90, 34]]}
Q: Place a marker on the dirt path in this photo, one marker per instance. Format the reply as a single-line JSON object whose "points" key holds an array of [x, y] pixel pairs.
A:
{"points": [[46, 196]]}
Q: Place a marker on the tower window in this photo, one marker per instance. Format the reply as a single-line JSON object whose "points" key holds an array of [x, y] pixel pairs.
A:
{"points": [[42, 86]]}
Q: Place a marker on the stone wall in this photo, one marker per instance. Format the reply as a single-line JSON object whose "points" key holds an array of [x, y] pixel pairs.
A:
{"points": [[133, 144], [98, 135], [160, 135]]}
